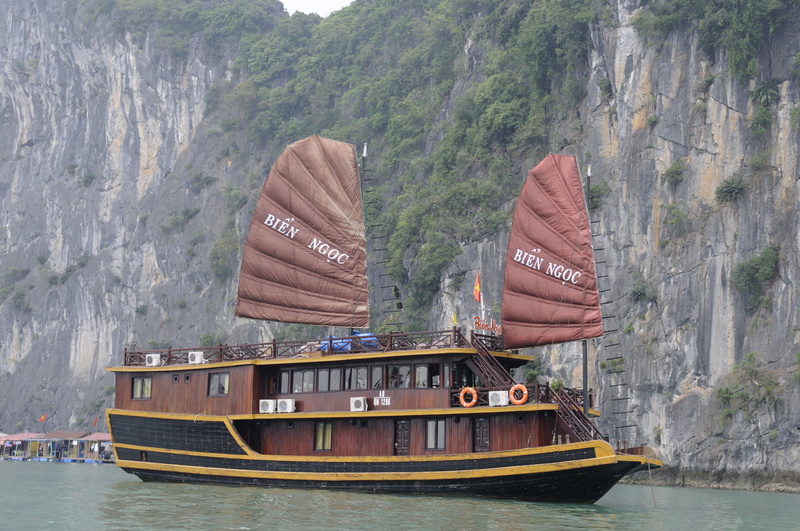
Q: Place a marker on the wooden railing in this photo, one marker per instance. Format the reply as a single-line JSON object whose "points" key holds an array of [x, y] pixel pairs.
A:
{"points": [[359, 343]]}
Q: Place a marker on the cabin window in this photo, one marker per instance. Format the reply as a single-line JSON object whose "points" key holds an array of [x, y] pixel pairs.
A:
{"points": [[303, 381], [323, 376], [322, 438], [377, 376], [329, 380], [335, 382], [283, 382], [446, 375], [421, 374], [141, 387], [434, 437], [427, 376], [400, 376], [355, 378], [218, 383]]}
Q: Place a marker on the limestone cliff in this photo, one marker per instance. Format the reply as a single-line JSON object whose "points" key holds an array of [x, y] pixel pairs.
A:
{"points": [[111, 202]]}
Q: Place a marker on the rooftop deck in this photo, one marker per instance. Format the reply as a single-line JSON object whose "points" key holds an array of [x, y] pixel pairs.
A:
{"points": [[364, 342]]}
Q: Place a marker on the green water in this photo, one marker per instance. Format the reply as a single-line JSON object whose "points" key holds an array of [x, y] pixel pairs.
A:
{"points": [[86, 497]]}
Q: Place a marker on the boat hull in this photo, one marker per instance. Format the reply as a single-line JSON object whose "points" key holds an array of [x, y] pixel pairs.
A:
{"points": [[179, 448]]}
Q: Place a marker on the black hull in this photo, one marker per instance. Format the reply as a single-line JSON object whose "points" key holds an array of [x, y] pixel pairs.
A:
{"points": [[569, 486], [181, 449]]}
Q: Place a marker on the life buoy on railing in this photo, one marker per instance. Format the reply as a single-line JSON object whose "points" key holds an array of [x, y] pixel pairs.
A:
{"points": [[473, 396], [512, 394]]}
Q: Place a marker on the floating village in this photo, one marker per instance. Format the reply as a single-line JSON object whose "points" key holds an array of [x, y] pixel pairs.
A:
{"points": [[58, 445]]}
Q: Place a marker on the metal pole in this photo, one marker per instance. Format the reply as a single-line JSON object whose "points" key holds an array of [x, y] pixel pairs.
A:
{"points": [[585, 341], [586, 377]]}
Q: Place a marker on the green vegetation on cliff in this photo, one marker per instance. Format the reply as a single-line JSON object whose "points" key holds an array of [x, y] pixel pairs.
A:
{"points": [[738, 27], [384, 72]]}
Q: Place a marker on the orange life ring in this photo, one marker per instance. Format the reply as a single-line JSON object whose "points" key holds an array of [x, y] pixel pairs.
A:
{"points": [[513, 397], [472, 392]]}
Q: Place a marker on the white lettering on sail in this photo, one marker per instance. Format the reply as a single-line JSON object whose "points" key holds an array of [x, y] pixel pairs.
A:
{"points": [[533, 261], [329, 252], [562, 273], [529, 259], [282, 226]]}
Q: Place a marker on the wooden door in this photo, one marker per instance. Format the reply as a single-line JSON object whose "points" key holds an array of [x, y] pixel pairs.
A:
{"points": [[402, 437], [481, 434]]}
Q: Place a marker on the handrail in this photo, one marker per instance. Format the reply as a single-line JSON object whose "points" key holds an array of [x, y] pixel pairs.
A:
{"points": [[573, 416], [491, 370], [355, 344]]}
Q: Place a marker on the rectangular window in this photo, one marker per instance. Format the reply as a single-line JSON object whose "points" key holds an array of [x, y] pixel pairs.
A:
{"points": [[335, 381], [303, 381], [284, 382], [218, 383], [400, 376], [421, 376], [355, 378], [322, 438], [377, 376], [141, 387], [323, 375], [434, 437]]}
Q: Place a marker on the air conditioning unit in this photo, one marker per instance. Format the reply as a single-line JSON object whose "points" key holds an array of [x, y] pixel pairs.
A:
{"points": [[358, 403], [196, 357], [498, 398], [152, 360], [286, 405], [267, 406]]}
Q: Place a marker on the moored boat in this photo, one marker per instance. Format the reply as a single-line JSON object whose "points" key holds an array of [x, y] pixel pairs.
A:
{"points": [[422, 412]]}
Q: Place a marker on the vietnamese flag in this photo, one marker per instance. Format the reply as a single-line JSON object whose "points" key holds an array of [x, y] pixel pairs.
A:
{"points": [[95, 422], [476, 291], [42, 418]]}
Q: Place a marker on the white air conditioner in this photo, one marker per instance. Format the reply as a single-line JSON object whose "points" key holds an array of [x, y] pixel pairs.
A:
{"points": [[196, 356], [498, 398], [267, 405], [286, 405], [152, 360], [358, 403]]}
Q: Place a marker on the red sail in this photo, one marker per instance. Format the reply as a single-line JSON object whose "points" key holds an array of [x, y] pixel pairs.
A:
{"points": [[550, 288], [305, 256]]}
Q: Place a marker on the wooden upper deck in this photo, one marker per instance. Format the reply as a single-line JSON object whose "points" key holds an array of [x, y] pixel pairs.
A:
{"points": [[332, 348]]}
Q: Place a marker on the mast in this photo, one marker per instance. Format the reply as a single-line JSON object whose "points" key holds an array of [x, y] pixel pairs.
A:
{"points": [[586, 341]]}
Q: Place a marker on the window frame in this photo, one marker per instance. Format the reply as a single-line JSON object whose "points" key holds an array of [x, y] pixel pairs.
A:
{"points": [[323, 436], [222, 377], [138, 388], [435, 434]]}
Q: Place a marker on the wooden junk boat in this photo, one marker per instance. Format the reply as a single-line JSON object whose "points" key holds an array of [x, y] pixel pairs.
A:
{"points": [[417, 412]]}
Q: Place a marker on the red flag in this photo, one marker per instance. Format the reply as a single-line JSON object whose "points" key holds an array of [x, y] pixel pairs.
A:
{"points": [[42, 418], [95, 422], [476, 291]]}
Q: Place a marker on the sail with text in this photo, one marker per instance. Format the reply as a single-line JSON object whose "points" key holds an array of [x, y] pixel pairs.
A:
{"points": [[550, 288], [304, 260]]}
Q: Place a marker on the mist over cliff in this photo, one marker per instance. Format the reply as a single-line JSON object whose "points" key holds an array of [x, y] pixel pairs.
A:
{"points": [[130, 159]]}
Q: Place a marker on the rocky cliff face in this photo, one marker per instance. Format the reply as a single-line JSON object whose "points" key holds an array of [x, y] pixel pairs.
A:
{"points": [[99, 237], [670, 247], [104, 244]]}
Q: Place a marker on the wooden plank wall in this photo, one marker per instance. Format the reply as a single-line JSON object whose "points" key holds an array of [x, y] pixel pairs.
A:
{"points": [[170, 396]]}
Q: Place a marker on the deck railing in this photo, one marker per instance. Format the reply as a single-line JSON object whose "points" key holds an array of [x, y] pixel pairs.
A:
{"points": [[569, 401], [359, 343]]}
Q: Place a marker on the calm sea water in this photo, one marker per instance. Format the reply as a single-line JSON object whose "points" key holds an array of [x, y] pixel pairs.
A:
{"points": [[41, 495]]}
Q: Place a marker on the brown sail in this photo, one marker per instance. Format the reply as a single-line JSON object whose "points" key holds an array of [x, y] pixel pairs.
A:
{"points": [[304, 259], [550, 288]]}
